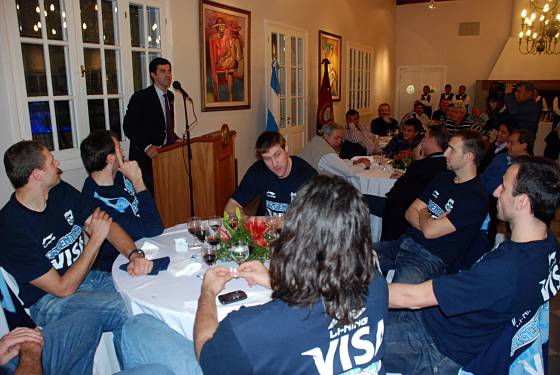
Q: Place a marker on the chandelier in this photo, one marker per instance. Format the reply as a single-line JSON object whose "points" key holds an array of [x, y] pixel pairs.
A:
{"points": [[540, 27], [432, 5]]}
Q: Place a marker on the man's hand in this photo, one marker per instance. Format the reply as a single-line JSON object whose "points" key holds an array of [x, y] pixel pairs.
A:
{"points": [[97, 225], [152, 151], [131, 170], [418, 153], [255, 273], [139, 266], [215, 280], [11, 343], [364, 161]]}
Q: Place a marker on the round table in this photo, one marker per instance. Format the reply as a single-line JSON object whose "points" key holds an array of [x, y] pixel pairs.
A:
{"points": [[173, 299]]}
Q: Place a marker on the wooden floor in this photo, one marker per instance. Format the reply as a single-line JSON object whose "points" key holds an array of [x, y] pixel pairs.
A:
{"points": [[554, 334]]}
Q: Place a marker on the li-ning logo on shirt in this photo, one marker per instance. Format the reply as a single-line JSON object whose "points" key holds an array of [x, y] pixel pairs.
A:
{"points": [[69, 216], [435, 194], [449, 205], [48, 240], [271, 194]]}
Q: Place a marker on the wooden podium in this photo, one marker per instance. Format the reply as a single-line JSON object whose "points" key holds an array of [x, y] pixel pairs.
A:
{"points": [[213, 173]]}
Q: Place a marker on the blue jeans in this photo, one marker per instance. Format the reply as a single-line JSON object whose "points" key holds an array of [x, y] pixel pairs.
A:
{"points": [[96, 294], [147, 340], [409, 348], [412, 263], [70, 344]]}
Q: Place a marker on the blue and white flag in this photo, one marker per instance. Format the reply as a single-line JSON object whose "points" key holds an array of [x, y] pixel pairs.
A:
{"points": [[273, 116]]}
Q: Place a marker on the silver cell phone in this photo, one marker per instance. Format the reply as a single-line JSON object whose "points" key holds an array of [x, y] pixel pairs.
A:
{"points": [[226, 299]]}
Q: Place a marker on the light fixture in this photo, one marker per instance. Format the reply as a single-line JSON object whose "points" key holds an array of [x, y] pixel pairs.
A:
{"points": [[432, 5], [540, 29]]}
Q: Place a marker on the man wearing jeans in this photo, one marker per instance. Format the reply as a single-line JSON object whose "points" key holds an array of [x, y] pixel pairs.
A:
{"points": [[44, 247], [444, 219], [492, 318]]}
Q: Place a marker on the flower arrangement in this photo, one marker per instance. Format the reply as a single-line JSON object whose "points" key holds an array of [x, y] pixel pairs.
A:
{"points": [[403, 159], [252, 231]]}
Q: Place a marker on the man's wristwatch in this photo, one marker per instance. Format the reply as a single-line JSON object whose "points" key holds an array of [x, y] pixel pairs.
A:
{"points": [[137, 251]]}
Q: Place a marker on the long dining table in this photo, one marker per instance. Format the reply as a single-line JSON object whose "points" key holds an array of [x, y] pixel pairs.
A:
{"points": [[171, 298]]}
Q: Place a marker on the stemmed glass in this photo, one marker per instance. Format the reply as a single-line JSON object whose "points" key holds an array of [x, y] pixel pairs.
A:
{"points": [[239, 251], [213, 230], [193, 224], [209, 254]]}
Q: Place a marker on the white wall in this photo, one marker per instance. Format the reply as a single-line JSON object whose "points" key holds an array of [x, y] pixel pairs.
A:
{"points": [[430, 37], [366, 22]]}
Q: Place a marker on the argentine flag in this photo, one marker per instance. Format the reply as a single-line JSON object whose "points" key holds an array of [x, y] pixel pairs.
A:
{"points": [[273, 100]]}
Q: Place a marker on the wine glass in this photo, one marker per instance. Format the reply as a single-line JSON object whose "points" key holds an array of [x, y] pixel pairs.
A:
{"points": [[209, 254], [239, 251], [192, 224], [213, 230], [200, 231]]}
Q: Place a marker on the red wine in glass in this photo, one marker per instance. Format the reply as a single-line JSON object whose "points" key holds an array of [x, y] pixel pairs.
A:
{"points": [[200, 233], [213, 240], [209, 258]]}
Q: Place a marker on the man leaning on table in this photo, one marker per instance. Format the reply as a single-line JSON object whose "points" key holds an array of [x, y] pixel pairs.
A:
{"points": [[275, 178], [117, 186], [445, 218], [492, 318], [44, 247], [322, 153]]}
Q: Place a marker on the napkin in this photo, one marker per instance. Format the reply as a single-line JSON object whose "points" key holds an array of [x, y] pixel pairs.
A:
{"points": [[181, 245], [160, 264], [181, 266], [150, 250]]}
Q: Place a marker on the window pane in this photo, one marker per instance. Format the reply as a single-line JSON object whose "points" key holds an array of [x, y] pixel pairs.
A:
{"points": [[153, 55], [110, 31], [92, 61], [300, 112], [55, 29], [96, 114], [282, 113], [64, 124], [293, 51], [40, 119], [293, 82], [154, 34], [282, 79], [136, 25], [34, 68], [300, 52], [29, 18], [115, 117], [111, 73], [138, 70], [90, 25], [58, 69], [274, 45], [282, 50], [293, 115], [300, 82]]}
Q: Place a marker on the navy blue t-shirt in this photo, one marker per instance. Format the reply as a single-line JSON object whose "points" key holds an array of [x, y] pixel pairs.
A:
{"points": [[275, 193], [275, 338], [33, 242], [135, 212], [504, 288], [466, 205]]}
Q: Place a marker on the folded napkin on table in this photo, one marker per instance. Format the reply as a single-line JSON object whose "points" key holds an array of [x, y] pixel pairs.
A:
{"points": [[150, 250], [160, 264], [181, 266]]}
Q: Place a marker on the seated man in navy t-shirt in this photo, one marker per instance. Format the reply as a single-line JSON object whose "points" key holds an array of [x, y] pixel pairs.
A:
{"points": [[445, 218], [487, 319], [328, 303], [275, 178], [117, 186]]}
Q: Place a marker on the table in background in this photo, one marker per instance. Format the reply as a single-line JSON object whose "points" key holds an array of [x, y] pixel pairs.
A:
{"points": [[375, 181], [174, 299]]}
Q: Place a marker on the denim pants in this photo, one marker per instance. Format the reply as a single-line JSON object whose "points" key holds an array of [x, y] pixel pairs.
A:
{"points": [[96, 294], [412, 263], [147, 340], [409, 348], [69, 346]]}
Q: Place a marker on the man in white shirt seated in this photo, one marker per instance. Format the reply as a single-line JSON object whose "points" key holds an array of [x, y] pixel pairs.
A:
{"points": [[417, 113], [322, 153]]}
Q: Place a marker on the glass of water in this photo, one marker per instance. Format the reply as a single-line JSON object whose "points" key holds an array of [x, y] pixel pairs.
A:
{"points": [[239, 251]]}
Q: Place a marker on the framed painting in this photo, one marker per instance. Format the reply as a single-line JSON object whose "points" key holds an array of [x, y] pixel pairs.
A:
{"points": [[225, 40], [330, 47]]}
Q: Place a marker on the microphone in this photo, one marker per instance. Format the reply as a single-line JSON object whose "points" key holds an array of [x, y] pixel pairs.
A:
{"points": [[177, 86]]}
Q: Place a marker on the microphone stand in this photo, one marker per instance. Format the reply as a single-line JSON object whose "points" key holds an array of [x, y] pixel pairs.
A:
{"points": [[187, 133]]}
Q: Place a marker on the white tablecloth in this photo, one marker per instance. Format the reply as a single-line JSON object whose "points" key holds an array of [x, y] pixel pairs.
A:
{"points": [[174, 299], [374, 181]]}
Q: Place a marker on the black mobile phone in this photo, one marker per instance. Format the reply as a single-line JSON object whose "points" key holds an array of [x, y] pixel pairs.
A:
{"points": [[232, 297]]}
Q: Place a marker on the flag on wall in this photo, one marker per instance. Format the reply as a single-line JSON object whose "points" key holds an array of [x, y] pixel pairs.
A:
{"points": [[273, 100], [325, 114]]}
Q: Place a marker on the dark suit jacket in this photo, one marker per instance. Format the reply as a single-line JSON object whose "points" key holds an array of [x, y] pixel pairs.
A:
{"points": [[144, 124], [405, 191]]}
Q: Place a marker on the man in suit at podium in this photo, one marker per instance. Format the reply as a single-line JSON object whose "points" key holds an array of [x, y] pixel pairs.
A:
{"points": [[149, 120]]}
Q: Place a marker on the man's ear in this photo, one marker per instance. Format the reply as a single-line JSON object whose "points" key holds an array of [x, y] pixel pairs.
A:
{"points": [[36, 174], [522, 202], [286, 148], [111, 159]]}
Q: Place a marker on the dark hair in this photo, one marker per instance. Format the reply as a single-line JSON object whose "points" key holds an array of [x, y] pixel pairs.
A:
{"points": [[413, 121], [21, 159], [526, 85], [509, 126], [425, 87], [440, 134], [352, 112], [472, 142], [95, 148], [465, 87], [539, 178], [447, 85], [526, 137], [417, 103], [157, 61], [267, 140], [325, 249]]}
